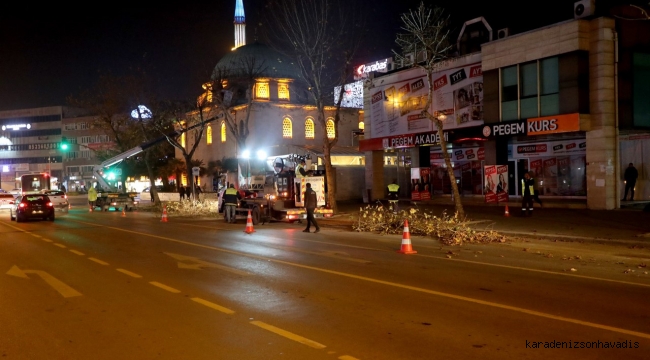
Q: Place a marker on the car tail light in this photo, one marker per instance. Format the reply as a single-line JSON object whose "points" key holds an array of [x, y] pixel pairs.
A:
{"points": [[49, 204], [65, 197], [21, 205]]}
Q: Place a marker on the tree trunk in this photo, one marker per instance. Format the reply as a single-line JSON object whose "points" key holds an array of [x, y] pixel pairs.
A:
{"points": [[450, 172], [330, 176], [152, 180]]}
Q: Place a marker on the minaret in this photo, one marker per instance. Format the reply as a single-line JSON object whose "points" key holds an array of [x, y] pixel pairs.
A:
{"points": [[240, 25]]}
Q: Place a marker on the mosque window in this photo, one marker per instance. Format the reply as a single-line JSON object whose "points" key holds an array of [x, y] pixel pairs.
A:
{"points": [[287, 132]]}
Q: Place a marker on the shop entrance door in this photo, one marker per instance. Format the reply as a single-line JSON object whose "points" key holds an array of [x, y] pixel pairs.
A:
{"points": [[522, 167], [512, 178]]}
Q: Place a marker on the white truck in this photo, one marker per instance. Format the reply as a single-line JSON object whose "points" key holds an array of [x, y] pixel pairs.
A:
{"points": [[268, 189]]}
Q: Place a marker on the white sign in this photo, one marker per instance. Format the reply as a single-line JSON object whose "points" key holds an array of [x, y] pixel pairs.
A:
{"points": [[362, 71], [195, 171], [16, 127], [396, 107]]}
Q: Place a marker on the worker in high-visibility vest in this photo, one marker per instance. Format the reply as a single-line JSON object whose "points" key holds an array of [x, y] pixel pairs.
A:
{"points": [[300, 173], [527, 192], [393, 195], [230, 198]]}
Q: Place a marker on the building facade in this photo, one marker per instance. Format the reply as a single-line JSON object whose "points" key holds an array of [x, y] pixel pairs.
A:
{"points": [[567, 102]]}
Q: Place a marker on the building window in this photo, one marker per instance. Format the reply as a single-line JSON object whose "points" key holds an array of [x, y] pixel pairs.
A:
{"points": [[283, 91], [223, 131], [509, 110], [208, 134], [183, 139], [286, 128], [641, 89], [331, 131], [549, 87], [362, 125], [309, 129], [530, 90], [262, 90]]}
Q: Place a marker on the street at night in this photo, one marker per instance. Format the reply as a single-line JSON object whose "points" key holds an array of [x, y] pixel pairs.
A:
{"points": [[107, 285]]}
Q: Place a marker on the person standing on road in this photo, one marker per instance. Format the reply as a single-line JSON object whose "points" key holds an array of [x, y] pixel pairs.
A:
{"points": [[92, 198], [393, 195], [181, 192], [630, 181], [230, 198], [311, 201], [528, 191]]}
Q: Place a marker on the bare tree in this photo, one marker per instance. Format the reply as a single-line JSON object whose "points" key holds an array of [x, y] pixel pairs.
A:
{"points": [[322, 36], [426, 30]]}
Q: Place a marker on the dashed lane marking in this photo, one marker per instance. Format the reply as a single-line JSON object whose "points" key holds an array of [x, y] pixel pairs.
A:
{"points": [[98, 261], [288, 335], [398, 285], [213, 305], [164, 287], [131, 274], [77, 252], [60, 245]]}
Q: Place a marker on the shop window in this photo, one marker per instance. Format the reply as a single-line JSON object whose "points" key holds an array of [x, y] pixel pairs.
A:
{"points": [[331, 131], [528, 90], [641, 89], [283, 91], [309, 129], [262, 91], [287, 132], [509, 109], [549, 87], [208, 135], [223, 132]]}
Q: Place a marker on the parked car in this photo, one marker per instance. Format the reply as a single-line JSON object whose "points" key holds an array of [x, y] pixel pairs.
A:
{"points": [[6, 201], [16, 192], [32, 206], [59, 199]]}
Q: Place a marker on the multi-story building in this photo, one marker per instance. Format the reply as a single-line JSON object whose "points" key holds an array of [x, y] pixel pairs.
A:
{"points": [[31, 140], [568, 102]]}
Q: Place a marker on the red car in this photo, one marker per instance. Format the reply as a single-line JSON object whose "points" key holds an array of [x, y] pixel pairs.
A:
{"points": [[32, 206]]}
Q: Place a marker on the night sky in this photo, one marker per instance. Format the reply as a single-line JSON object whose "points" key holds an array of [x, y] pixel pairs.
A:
{"points": [[48, 53]]}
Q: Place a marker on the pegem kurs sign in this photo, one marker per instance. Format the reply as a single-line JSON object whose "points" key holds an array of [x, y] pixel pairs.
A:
{"points": [[534, 126]]}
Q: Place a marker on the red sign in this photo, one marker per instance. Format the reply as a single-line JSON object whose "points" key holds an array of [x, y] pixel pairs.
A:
{"points": [[536, 164], [475, 71], [440, 82], [550, 162]]}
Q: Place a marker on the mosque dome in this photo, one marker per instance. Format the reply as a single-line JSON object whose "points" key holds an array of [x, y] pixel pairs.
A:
{"points": [[272, 63]]}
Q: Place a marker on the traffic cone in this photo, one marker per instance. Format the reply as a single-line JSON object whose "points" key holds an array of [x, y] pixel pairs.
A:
{"points": [[164, 214], [123, 212], [249, 224], [507, 213], [406, 241]]}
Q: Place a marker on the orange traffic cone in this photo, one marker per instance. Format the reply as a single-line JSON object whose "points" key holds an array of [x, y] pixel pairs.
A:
{"points": [[123, 212], [164, 215], [406, 241], [249, 224], [507, 213]]}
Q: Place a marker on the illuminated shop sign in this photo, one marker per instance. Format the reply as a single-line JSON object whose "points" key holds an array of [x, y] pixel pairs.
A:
{"points": [[535, 126], [16, 127], [362, 71]]}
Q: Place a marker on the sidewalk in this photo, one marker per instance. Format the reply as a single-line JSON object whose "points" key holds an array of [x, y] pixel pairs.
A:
{"points": [[562, 220]]}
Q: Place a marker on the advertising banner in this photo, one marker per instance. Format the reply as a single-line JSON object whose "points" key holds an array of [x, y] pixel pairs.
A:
{"points": [[549, 148], [496, 186], [396, 108]]}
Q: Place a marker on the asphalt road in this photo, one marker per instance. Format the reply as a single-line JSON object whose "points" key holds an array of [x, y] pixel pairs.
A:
{"points": [[106, 286]]}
